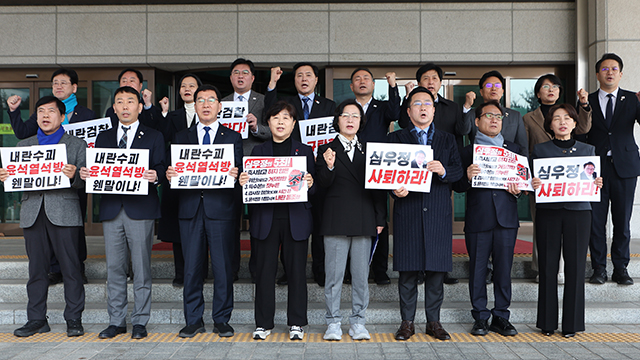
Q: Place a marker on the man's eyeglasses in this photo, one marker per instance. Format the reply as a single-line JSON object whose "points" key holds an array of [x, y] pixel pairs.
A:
{"points": [[210, 100], [243, 72], [353, 116], [420, 103], [553, 87], [614, 69], [60, 83], [491, 116], [490, 85]]}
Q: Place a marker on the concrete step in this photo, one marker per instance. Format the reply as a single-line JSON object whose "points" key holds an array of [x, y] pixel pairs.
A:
{"points": [[14, 291], [377, 313]]}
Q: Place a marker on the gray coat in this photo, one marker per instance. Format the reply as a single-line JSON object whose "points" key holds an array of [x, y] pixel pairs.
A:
{"points": [[256, 107], [61, 206]]}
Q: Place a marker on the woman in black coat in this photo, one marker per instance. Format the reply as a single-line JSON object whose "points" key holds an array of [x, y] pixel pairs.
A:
{"points": [[562, 225]]}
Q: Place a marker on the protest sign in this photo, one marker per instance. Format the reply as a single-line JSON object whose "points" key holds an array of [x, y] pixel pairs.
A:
{"points": [[567, 179], [392, 166], [499, 167], [202, 166], [315, 132], [88, 130], [33, 168], [234, 116], [275, 179], [117, 171]]}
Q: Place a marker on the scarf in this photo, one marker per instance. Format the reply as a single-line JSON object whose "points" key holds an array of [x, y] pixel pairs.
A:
{"points": [[44, 139], [350, 145], [70, 104], [482, 139], [190, 109]]}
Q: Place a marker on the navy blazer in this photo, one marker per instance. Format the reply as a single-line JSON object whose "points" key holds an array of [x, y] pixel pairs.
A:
{"points": [[447, 117], [322, 107], [138, 207], [379, 115], [487, 208], [28, 128], [300, 217], [423, 221], [219, 204], [619, 137], [174, 122]]}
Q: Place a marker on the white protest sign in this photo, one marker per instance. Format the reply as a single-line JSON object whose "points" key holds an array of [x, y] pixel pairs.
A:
{"points": [[315, 132], [117, 171], [202, 166], [34, 168], [392, 166], [88, 130], [499, 167], [567, 179], [234, 116], [275, 179]]}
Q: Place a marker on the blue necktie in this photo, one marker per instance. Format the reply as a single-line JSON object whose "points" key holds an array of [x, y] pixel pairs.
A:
{"points": [[421, 137], [240, 98], [609, 110], [123, 140], [207, 139], [305, 107]]}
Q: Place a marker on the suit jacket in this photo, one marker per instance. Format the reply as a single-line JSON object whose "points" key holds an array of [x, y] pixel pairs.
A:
{"points": [[550, 150], [486, 208], [23, 130], [512, 128], [256, 107], [151, 118], [322, 107], [138, 207], [219, 204], [174, 122], [300, 217], [62, 206], [422, 221], [619, 137], [447, 117], [534, 124], [349, 209], [379, 115]]}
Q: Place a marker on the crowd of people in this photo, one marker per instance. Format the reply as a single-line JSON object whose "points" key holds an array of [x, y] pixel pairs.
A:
{"points": [[342, 219]]}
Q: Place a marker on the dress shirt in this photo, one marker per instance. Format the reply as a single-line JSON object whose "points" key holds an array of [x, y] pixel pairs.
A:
{"points": [[245, 96], [212, 133], [603, 99], [311, 97], [365, 106], [131, 133]]}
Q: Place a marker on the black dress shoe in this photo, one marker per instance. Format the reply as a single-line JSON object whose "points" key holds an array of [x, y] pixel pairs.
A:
{"points": [[622, 277], [55, 278], [223, 329], [319, 279], [420, 277], [139, 332], [489, 279], [450, 280], [74, 327], [480, 327], [84, 278], [32, 327], [568, 334], [502, 326], [178, 283], [598, 277], [547, 332], [112, 331], [283, 280], [191, 330], [406, 330], [383, 280], [435, 329], [346, 279]]}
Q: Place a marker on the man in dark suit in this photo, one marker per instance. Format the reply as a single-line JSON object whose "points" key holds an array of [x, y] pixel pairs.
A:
{"points": [[128, 220], [614, 113], [64, 85], [308, 105], [150, 116], [51, 220], [422, 221], [491, 227], [207, 218]]}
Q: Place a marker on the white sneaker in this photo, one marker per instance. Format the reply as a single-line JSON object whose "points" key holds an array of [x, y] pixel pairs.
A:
{"points": [[561, 278], [261, 333], [296, 333], [359, 332], [334, 332]]}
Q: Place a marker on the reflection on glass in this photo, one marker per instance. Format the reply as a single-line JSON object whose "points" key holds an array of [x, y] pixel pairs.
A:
{"points": [[521, 96], [81, 95]]}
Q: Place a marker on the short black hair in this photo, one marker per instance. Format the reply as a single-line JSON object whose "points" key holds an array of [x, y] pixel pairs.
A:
{"points": [[198, 81], [361, 69], [609, 56], [73, 76], [281, 105], [340, 109], [419, 89], [426, 67], [481, 107], [588, 163], [208, 87], [52, 99], [552, 78], [572, 113], [301, 64], [138, 74], [492, 73], [242, 61], [127, 90]]}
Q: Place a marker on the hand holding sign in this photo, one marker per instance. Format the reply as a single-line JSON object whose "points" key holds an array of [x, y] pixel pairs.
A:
{"points": [[69, 170], [473, 170], [436, 167]]}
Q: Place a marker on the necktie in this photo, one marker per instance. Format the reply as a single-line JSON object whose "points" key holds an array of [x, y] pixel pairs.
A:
{"points": [[609, 111], [305, 107], [240, 98], [207, 139], [123, 140], [421, 137]]}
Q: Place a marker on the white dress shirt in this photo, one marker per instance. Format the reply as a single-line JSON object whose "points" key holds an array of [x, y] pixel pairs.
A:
{"points": [[212, 132], [131, 133]]}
